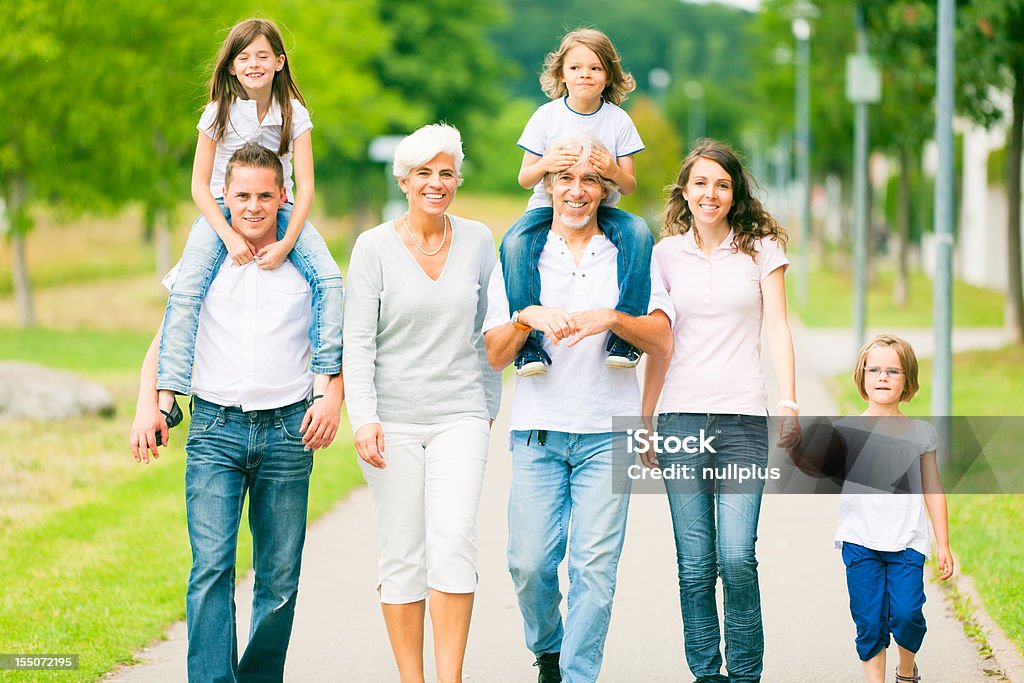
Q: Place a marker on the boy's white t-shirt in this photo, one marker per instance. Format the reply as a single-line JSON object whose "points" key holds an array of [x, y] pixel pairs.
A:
{"points": [[244, 126], [610, 124], [888, 450]]}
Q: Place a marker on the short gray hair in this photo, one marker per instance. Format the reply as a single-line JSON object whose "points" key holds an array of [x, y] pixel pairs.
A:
{"points": [[585, 142], [426, 143]]}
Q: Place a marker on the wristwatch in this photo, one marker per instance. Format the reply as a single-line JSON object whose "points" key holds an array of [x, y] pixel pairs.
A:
{"points": [[518, 325]]}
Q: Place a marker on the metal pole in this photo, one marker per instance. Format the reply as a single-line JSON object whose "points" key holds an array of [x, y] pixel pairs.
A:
{"points": [[943, 286], [803, 152], [860, 198]]}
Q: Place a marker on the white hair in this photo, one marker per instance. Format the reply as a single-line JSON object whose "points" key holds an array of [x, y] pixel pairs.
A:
{"points": [[586, 143], [419, 147]]}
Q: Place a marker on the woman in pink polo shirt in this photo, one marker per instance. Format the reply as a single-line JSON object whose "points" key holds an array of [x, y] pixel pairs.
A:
{"points": [[722, 258]]}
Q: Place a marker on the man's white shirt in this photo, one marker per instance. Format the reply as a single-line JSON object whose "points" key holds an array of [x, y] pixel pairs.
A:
{"points": [[252, 347], [578, 394]]}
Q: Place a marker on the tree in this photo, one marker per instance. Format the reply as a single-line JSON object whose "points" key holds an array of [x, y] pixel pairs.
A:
{"points": [[990, 59], [657, 165], [903, 37], [62, 88]]}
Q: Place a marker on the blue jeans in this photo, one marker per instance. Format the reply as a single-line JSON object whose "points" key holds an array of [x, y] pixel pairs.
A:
{"points": [[231, 453], [886, 596], [558, 477], [704, 551], [523, 243], [203, 255]]}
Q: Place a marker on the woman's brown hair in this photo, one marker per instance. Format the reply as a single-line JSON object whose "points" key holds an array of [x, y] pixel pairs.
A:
{"points": [[747, 217]]}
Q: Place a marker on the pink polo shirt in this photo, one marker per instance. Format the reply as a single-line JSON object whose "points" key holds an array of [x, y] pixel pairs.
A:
{"points": [[716, 365]]}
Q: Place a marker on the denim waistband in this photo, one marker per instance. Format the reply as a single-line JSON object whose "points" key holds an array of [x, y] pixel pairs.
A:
{"points": [[267, 415]]}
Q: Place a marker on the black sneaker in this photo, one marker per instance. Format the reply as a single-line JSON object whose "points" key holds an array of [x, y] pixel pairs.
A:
{"points": [[548, 665], [621, 354], [532, 360]]}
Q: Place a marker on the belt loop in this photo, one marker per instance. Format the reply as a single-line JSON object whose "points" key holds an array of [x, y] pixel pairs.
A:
{"points": [[542, 437], [529, 435]]}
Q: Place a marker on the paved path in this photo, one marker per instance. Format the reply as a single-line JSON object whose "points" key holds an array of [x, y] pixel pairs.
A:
{"points": [[339, 633]]}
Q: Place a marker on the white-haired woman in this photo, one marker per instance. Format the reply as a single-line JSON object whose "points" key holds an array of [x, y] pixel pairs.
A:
{"points": [[421, 395]]}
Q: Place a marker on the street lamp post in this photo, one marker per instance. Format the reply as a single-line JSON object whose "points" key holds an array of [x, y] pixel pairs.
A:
{"points": [[863, 87], [802, 33], [942, 380], [695, 114], [659, 79]]}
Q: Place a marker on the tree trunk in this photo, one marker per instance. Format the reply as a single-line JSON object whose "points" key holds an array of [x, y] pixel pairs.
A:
{"points": [[901, 287], [19, 265], [1015, 299], [149, 219], [162, 241]]}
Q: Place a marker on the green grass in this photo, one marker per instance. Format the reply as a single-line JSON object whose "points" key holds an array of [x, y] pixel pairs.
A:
{"points": [[986, 532], [93, 547], [830, 302], [93, 353]]}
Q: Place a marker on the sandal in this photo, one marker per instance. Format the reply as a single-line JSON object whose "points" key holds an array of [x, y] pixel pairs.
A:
{"points": [[174, 416], [909, 679]]}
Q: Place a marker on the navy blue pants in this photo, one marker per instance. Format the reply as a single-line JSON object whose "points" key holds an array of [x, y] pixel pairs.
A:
{"points": [[886, 597]]}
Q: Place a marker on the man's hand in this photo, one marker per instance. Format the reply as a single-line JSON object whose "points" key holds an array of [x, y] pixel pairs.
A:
{"points": [[370, 444], [240, 250], [320, 424], [556, 323], [589, 323], [273, 255], [149, 422], [649, 458]]}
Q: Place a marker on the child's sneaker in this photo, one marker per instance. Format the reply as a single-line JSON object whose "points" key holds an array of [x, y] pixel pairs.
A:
{"points": [[532, 360], [621, 354]]}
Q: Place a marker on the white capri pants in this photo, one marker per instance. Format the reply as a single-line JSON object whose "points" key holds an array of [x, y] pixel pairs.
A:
{"points": [[425, 502]]}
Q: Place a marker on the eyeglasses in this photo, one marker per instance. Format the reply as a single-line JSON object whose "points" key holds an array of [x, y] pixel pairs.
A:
{"points": [[892, 372]]}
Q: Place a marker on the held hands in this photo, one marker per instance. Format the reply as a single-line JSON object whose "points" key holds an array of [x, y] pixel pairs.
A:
{"points": [[370, 444], [789, 429], [148, 423], [588, 323], [240, 250], [273, 255], [559, 324]]}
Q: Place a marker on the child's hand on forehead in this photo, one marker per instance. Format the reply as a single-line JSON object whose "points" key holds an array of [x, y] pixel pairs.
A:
{"points": [[601, 161], [559, 158]]}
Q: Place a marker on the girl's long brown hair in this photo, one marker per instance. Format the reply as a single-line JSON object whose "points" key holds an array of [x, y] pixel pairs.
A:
{"points": [[747, 217], [620, 82], [224, 86]]}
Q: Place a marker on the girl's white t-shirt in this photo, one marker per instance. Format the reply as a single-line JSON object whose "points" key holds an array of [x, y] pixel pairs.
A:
{"points": [[610, 124], [244, 126], [888, 450]]}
